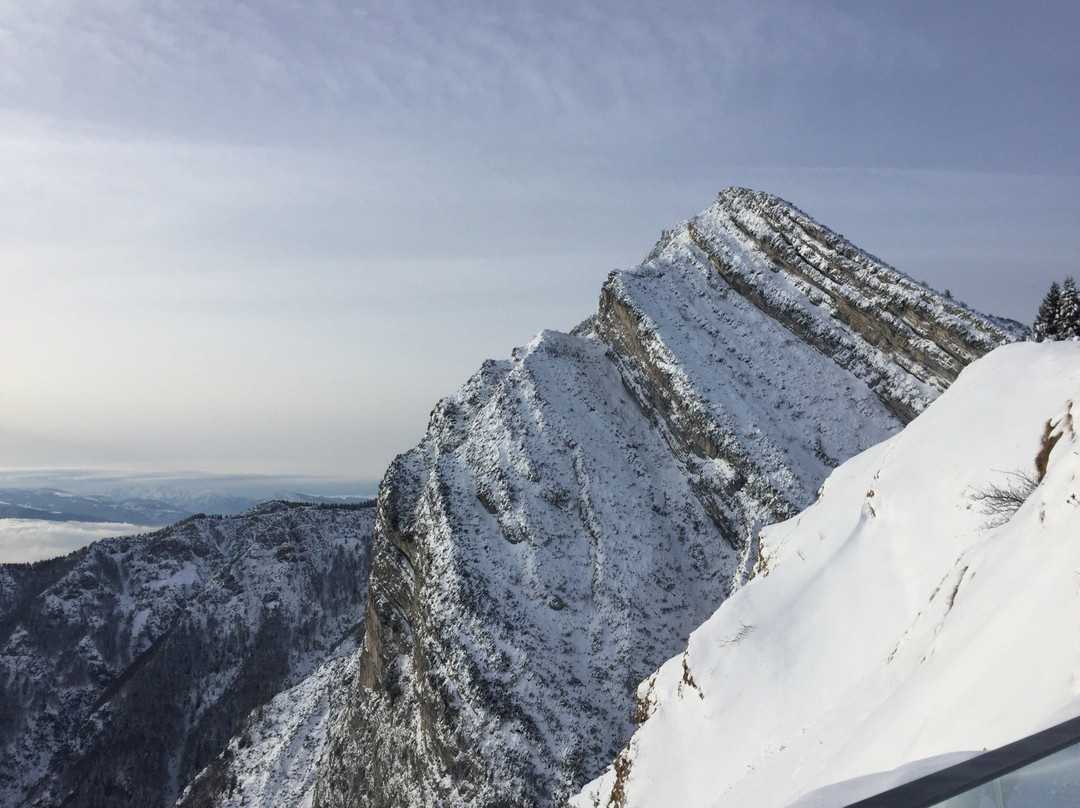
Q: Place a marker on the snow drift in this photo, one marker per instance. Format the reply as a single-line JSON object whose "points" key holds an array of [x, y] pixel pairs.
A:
{"points": [[895, 623]]}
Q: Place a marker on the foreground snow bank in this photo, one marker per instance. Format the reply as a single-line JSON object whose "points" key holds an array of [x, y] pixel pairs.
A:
{"points": [[887, 624]]}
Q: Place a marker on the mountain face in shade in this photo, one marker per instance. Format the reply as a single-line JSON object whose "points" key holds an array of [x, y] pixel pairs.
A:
{"points": [[126, 666], [575, 511]]}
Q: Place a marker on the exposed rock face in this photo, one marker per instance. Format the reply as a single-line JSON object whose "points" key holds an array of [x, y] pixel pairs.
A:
{"points": [[574, 512], [864, 315], [127, 665], [540, 542]]}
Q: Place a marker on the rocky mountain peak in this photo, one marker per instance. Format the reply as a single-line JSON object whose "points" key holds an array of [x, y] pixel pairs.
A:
{"points": [[575, 511]]}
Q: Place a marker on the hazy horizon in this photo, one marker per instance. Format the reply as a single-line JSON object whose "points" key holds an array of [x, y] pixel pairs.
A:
{"points": [[25, 539], [86, 481]]}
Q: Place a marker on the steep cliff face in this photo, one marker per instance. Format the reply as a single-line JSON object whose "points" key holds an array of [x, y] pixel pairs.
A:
{"points": [[537, 547], [126, 666], [574, 512]]}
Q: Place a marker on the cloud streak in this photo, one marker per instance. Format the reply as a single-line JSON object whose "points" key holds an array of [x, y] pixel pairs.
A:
{"points": [[242, 68]]}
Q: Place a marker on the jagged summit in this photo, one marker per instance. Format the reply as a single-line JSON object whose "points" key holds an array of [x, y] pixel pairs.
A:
{"points": [[854, 308], [723, 331], [575, 511]]}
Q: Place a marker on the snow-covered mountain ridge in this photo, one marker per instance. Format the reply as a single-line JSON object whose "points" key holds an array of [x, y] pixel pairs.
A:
{"points": [[125, 666], [893, 622], [575, 511], [572, 514]]}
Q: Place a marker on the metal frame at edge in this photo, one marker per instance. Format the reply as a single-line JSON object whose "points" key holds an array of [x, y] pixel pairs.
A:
{"points": [[931, 789]]}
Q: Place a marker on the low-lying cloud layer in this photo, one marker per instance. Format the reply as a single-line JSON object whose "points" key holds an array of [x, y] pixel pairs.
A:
{"points": [[23, 540]]}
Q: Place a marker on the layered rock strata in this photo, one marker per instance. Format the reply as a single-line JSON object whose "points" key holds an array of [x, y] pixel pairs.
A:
{"points": [[574, 512]]}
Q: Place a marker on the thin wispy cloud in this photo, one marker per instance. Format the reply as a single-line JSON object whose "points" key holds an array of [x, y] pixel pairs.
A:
{"points": [[226, 67], [270, 235]]}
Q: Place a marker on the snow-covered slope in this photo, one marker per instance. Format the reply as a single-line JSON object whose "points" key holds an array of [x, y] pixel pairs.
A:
{"points": [[574, 512], [271, 761], [125, 666], [892, 625]]}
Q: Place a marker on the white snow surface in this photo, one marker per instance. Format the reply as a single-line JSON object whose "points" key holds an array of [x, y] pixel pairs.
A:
{"points": [[889, 630]]}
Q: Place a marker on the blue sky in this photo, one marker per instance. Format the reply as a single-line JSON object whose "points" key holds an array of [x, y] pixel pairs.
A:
{"points": [[267, 237]]}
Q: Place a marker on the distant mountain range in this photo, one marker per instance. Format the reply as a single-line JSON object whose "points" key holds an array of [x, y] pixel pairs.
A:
{"points": [[126, 666], [167, 506]]}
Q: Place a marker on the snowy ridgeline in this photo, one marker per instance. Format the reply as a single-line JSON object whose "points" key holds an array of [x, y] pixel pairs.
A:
{"points": [[575, 511], [126, 666], [895, 624]]}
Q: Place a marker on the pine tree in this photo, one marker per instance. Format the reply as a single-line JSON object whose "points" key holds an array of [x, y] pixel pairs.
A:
{"points": [[1045, 320], [1067, 322]]}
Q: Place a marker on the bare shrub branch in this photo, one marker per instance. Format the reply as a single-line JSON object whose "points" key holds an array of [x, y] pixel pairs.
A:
{"points": [[999, 501]]}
